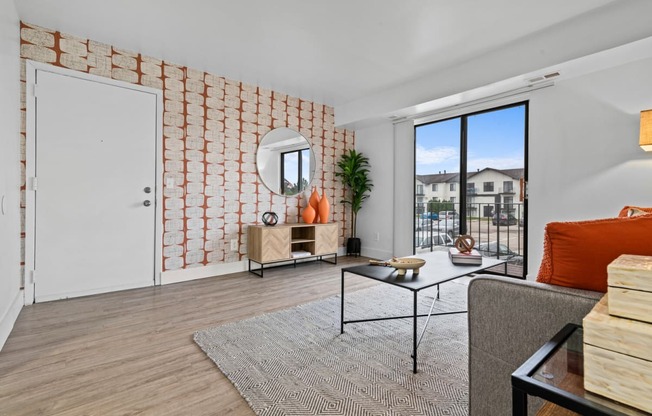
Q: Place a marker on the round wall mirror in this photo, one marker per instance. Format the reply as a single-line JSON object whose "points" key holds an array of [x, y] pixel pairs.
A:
{"points": [[285, 161]]}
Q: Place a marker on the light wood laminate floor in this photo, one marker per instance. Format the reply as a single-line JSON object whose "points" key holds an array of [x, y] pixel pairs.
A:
{"points": [[132, 352]]}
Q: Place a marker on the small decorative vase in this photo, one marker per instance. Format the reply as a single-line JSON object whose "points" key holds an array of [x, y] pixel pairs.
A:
{"points": [[308, 214], [314, 203], [324, 208]]}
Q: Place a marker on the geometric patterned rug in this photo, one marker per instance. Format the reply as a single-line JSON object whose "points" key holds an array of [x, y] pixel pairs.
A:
{"points": [[295, 362]]}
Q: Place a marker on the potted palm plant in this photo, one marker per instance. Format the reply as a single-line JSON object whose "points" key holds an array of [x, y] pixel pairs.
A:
{"points": [[353, 169]]}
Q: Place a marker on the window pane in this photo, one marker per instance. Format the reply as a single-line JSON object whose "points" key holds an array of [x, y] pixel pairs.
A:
{"points": [[290, 168], [437, 163], [508, 186], [496, 159]]}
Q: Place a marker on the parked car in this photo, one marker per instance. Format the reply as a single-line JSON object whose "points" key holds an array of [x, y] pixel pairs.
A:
{"points": [[429, 216], [426, 225], [505, 219], [500, 251], [448, 226], [428, 240], [449, 215]]}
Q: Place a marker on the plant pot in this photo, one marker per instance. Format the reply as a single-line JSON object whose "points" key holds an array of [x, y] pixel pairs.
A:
{"points": [[353, 247]]}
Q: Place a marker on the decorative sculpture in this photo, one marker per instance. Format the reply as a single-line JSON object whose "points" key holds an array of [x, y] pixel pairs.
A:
{"points": [[270, 218], [464, 243]]}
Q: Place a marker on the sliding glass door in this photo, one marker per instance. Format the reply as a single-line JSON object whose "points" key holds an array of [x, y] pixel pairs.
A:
{"points": [[470, 175]]}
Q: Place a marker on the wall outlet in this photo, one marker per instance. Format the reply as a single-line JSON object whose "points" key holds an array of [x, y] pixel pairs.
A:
{"points": [[234, 245], [377, 237]]}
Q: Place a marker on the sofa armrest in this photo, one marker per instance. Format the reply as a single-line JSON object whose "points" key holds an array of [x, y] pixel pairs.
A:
{"points": [[509, 320]]}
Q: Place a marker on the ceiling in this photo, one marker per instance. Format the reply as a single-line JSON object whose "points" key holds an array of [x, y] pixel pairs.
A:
{"points": [[343, 53]]}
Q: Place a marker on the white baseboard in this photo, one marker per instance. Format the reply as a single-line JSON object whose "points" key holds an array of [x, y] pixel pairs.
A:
{"points": [[184, 275], [95, 291], [9, 319]]}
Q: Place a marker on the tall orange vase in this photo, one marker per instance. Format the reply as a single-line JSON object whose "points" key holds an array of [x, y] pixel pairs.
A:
{"points": [[308, 214], [314, 202], [324, 208]]}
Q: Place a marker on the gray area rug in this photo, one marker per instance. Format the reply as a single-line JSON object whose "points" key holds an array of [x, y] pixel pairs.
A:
{"points": [[295, 362]]}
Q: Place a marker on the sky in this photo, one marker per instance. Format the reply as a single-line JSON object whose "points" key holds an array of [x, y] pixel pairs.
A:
{"points": [[495, 140]]}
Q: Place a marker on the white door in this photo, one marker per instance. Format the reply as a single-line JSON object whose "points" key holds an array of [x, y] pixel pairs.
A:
{"points": [[95, 155]]}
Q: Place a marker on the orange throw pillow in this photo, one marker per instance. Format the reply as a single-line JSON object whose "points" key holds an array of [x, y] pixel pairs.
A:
{"points": [[576, 254], [625, 212]]}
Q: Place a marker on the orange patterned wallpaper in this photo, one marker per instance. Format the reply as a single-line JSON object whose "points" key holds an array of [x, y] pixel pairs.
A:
{"points": [[211, 129]]}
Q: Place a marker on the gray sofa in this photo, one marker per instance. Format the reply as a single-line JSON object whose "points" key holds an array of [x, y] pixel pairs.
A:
{"points": [[509, 319]]}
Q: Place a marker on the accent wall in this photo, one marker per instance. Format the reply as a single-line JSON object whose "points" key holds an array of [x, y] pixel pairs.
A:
{"points": [[211, 128]]}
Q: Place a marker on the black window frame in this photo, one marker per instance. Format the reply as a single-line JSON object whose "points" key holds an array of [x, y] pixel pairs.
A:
{"points": [[463, 163], [300, 187]]}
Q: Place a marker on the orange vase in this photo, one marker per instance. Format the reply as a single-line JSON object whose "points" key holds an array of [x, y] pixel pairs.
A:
{"points": [[308, 214], [324, 208], [314, 202]]}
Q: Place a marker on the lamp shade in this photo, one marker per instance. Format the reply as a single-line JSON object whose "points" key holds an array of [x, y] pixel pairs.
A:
{"points": [[645, 140]]}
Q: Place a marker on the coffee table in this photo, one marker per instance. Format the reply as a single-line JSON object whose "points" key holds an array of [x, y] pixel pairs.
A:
{"points": [[437, 270]]}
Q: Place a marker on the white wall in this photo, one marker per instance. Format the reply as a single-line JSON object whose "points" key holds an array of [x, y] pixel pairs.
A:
{"points": [[403, 159], [10, 294], [376, 215], [585, 161]]}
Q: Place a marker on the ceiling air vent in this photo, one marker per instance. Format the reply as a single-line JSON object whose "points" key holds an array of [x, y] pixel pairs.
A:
{"points": [[543, 77]]}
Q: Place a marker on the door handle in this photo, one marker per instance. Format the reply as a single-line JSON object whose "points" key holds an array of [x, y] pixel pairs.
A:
{"points": [[147, 203]]}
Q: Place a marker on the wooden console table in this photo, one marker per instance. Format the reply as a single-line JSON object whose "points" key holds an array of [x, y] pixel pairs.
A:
{"points": [[275, 244]]}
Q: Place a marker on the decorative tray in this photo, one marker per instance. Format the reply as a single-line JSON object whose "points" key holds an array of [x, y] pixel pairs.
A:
{"points": [[404, 264]]}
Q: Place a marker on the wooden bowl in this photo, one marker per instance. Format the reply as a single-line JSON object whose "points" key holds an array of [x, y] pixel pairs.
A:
{"points": [[404, 264]]}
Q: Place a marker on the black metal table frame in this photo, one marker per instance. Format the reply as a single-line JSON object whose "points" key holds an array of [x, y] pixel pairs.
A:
{"points": [[523, 384], [318, 257], [414, 316]]}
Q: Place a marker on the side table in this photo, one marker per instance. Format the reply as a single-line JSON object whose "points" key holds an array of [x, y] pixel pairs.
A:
{"points": [[556, 374]]}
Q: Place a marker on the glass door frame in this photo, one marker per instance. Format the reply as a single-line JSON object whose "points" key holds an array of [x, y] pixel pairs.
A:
{"points": [[463, 167]]}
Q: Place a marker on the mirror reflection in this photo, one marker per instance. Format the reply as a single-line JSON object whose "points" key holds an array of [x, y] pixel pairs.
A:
{"points": [[285, 161]]}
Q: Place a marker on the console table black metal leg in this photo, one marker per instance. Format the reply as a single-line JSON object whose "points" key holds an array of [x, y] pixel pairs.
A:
{"points": [[519, 402], [342, 309], [258, 272], [414, 334]]}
